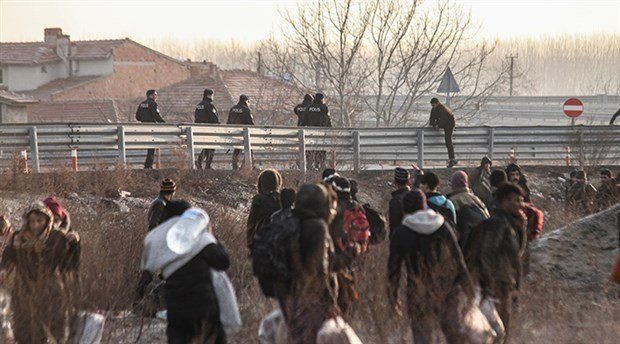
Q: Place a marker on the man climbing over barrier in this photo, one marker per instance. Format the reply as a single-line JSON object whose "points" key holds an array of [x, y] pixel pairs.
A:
{"points": [[442, 117]]}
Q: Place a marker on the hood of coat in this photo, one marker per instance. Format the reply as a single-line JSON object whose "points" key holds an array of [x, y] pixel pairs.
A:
{"points": [[425, 221], [436, 198]]}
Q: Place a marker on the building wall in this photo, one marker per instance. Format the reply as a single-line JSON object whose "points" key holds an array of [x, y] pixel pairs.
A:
{"points": [[94, 67], [13, 113], [30, 77], [136, 69]]}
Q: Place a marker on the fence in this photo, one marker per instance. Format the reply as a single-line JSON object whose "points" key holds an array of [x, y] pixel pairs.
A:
{"points": [[47, 146]]}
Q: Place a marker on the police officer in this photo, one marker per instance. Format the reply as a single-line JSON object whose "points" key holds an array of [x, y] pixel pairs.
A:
{"points": [[442, 117], [206, 113], [300, 110], [317, 115], [149, 113], [240, 114]]}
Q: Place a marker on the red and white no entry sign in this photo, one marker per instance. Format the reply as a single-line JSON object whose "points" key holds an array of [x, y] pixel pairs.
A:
{"points": [[573, 107]]}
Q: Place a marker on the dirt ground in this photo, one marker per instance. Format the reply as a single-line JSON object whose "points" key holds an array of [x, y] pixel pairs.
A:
{"points": [[566, 295]]}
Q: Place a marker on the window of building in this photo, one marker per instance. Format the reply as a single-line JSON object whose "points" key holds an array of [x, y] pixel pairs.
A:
{"points": [[43, 69]]}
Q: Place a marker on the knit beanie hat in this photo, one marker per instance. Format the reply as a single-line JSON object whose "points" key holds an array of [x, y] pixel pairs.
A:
{"points": [[414, 200], [328, 175], [459, 180], [486, 160], [55, 207], [168, 185], [513, 167], [401, 175], [341, 185]]}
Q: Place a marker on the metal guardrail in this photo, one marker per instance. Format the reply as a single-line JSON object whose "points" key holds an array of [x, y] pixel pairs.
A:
{"points": [[98, 145]]}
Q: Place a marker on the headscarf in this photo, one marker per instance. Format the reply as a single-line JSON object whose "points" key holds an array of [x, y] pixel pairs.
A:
{"points": [[23, 241]]}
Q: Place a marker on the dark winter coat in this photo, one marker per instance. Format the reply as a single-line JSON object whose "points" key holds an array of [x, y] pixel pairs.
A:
{"points": [[481, 185], [318, 115], [581, 194], [281, 215], [442, 117], [156, 212], [607, 195], [396, 208], [503, 243], [206, 112], [300, 110], [189, 291], [240, 114], [263, 206], [425, 244], [148, 112]]}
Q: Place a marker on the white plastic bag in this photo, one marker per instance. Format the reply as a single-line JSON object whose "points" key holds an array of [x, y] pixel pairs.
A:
{"points": [[227, 302], [487, 307], [337, 331], [476, 326], [88, 328], [272, 329]]}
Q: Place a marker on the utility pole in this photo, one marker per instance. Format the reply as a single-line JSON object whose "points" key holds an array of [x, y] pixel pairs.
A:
{"points": [[512, 64]]}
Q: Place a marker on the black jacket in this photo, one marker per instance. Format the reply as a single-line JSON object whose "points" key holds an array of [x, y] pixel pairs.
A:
{"points": [[430, 253], [240, 114], [148, 112], [317, 115], [396, 208], [442, 117], [156, 212], [263, 206], [206, 112], [189, 291], [300, 110]]}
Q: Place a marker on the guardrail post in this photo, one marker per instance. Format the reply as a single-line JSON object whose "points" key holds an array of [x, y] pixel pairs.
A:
{"points": [[189, 132], [581, 150], [491, 141], [247, 148], [356, 151], [420, 146], [122, 153], [34, 149], [302, 150]]}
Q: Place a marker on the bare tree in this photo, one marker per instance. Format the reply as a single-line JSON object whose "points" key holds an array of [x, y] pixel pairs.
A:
{"points": [[324, 50]]}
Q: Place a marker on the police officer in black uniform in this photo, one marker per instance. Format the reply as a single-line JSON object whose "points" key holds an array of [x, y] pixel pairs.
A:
{"points": [[317, 115], [240, 114], [206, 113], [301, 109], [149, 113]]}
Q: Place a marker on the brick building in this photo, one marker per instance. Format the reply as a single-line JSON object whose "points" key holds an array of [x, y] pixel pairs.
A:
{"points": [[59, 70], [60, 80]]}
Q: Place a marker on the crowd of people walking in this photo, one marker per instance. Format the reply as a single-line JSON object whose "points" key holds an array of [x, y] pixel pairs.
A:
{"points": [[460, 251]]}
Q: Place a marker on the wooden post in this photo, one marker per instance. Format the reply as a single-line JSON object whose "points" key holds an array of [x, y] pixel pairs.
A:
{"points": [[158, 158], [491, 141], [189, 132], [122, 153], [356, 151], [301, 134], [247, 148], [34, 149], [420, 146]]}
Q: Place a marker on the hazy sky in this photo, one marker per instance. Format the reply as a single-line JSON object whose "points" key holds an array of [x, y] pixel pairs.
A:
{"points": [[23, 20]]}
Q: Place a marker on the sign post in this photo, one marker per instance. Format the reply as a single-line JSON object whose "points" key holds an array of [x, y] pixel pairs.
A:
{"points": [[448, 85], [573, 108]]}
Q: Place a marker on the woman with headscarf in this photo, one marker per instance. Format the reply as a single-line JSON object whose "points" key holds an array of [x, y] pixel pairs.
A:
{"points": [[265, 203], [311, 299], [41, 258]]}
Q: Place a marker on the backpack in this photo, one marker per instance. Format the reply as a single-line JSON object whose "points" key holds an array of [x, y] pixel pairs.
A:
{"points": [[535, 219], [271, 254], [443, 210], [377, 224], [468, 217], [356, 229]]}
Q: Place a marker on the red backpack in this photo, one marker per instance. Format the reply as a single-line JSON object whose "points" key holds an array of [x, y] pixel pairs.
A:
{"points": [[535, 219], [356, 227]]}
